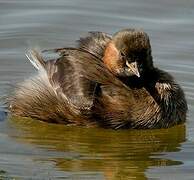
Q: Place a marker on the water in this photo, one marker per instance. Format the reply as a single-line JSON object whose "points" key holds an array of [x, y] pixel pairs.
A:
{"points": [[34, 150]]}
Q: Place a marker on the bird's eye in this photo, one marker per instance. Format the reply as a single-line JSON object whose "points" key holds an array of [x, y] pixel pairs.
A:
{"points": [[122, 54]]}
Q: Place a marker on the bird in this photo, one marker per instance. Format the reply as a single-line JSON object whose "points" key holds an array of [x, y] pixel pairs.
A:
{"points": [[104, 81]]}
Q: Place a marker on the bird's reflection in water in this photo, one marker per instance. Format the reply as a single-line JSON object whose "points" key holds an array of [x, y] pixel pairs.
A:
{"points": [[114, 154]]}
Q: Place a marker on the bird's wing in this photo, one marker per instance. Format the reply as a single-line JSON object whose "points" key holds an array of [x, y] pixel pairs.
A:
{"points": [[68, 81], [94, 43], [66, 78]]}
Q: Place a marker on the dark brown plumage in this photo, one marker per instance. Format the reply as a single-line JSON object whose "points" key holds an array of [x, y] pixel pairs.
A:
{"points": [[106, 81]]}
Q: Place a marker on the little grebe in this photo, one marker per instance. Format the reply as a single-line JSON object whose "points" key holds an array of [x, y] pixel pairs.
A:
{"points": [[105, 81]]}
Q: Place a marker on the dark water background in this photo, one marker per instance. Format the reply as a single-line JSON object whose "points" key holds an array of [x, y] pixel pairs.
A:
{"points": [[35, 150]]}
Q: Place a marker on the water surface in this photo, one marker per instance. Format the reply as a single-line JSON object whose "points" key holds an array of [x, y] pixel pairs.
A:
{"points": [[34, 150]]}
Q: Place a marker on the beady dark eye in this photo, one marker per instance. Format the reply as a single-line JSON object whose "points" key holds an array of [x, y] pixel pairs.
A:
{"points": [[122, 54]]}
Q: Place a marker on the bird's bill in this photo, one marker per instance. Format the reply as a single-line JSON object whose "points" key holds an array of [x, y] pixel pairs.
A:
{"points": [[133, 68]]}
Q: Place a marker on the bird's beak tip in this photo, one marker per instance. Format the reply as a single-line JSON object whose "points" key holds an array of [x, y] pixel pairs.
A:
{"points": [[138, 75]]}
